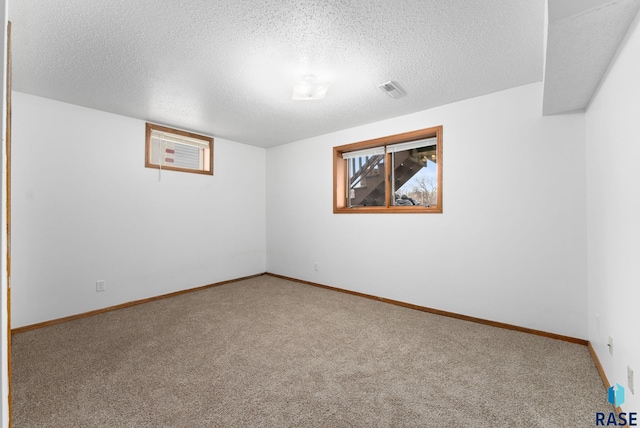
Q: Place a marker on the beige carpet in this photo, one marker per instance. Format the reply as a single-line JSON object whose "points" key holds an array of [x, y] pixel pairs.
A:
{"points": [[269, 352]]}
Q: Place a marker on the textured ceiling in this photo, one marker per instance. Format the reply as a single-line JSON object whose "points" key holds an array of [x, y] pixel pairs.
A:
{"points": [[582, 38], [226, 68]]}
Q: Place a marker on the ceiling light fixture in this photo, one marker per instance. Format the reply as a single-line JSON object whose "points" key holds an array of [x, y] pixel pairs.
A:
{"points": [[392, 89], [309, 89]]}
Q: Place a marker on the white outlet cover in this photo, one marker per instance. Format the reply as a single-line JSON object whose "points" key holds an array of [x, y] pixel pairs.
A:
{"points": [[630, 383]]}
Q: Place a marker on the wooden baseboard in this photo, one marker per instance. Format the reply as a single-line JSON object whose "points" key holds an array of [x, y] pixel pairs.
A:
{"points": [[596, 360], [603, 375], [125, 305], [440, 312], [355, 293]]}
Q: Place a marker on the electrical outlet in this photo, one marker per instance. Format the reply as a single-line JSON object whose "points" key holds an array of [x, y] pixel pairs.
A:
{"points": [[630, 379], [610, 345], [316, 266], [597, 323], [100, 285]]}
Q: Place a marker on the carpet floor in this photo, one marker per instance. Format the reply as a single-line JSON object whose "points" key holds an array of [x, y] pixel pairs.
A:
{"points": [[274, 353]]}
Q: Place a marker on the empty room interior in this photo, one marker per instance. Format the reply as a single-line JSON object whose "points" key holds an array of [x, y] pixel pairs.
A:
{"points": [[476, 160]]}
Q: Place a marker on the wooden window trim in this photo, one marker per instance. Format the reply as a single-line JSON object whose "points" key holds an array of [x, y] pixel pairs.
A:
{"points": [[147, 153], [340, 173]]}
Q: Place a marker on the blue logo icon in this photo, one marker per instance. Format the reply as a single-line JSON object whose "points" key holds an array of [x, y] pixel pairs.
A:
{"points": [[616, 395]]}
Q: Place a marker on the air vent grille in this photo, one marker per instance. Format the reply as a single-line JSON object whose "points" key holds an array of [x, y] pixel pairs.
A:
{"points": [[392, 89]]}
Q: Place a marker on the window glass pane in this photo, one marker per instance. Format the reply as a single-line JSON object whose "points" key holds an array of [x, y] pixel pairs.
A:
{"points": [[414, 177], [366, 181]]}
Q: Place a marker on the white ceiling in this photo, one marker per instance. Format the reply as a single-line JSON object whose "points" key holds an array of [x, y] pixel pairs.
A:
{"points": [[226, 68]]}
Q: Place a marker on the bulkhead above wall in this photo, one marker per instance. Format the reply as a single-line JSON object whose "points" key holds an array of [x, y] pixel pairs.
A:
{"points": [[582, 39]]}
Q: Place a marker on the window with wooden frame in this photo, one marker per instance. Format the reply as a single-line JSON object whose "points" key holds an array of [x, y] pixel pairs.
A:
{"points": [[395, 174], [175, 150]]}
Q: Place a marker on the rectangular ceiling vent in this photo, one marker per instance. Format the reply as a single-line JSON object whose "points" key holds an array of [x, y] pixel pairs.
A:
{"points": [[392, 89]]}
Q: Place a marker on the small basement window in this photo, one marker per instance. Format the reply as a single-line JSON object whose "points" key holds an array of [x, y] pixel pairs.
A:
{"points": [[396, 174], [175, 150]]}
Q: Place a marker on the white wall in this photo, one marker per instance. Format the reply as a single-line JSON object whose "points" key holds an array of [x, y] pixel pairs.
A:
{"points": [[85, 209], [4, 319], [510, 245], [613, 216]]}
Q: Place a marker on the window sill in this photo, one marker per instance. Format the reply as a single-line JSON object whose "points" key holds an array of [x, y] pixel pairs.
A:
{"points": [[389, 210]]}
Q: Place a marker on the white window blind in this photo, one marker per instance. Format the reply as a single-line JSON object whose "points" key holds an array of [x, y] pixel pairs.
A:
{"points": [[164, 136], [411, 145], [366, 152], [186, 156], [179, 151]]}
